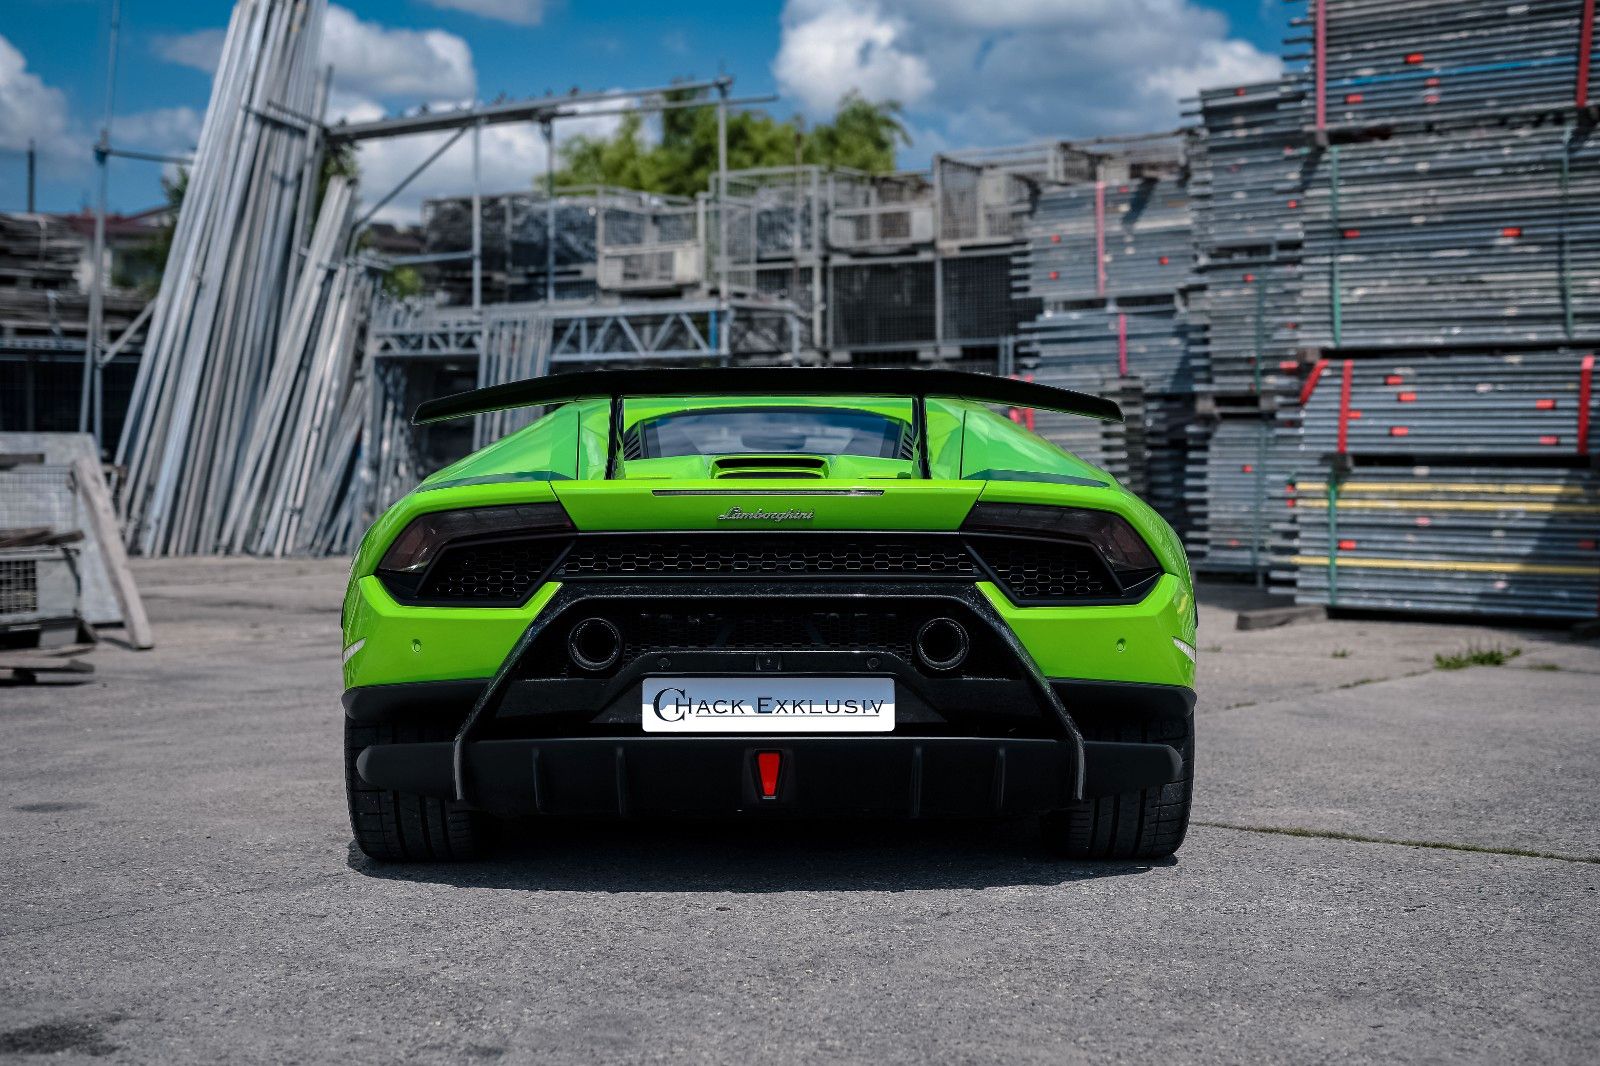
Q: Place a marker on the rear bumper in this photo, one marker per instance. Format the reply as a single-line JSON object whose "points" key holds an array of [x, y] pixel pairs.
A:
{"points": [[877, 775], [996, 738]]}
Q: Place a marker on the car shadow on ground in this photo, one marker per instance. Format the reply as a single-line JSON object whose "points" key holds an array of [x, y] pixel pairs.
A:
{"points": [[776, 856]]}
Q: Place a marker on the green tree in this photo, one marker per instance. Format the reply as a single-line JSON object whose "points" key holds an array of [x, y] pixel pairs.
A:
{"points": [[862, 135]]}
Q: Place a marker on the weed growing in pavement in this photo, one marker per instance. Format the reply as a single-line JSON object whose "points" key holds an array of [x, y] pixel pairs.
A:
{"points": [[1544, 666], [1341, 653], [1474, 656]]}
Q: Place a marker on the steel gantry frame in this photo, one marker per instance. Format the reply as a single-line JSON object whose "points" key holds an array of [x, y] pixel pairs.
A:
{"points": [[691, 330]]}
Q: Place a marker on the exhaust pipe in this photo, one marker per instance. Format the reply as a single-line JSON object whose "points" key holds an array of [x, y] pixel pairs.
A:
{"points": [[942, 644], [594, 644]]}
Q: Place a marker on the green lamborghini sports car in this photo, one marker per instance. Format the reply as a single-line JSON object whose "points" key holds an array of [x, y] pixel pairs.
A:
{"points": [[763, 592]]}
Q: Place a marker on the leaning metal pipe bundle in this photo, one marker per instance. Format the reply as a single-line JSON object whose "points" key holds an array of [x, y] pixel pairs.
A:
{"points": [[220, 310]]}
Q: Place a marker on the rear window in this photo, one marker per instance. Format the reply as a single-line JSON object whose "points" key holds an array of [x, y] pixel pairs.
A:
{"points": [[799, 430]]}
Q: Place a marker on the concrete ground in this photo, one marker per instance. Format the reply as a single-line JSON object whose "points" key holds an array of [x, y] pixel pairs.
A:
{"points": [[1390, 863]]}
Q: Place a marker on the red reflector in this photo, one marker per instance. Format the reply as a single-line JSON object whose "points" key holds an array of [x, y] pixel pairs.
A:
{"points": [[1347, 545], [768, 763], [1055, 238], [1351, 234], [1431, 98], [1239, 91], [1163, 260], [1414, 57], [1247, 468], [1054, 275], [1407, 397], [1432, 83], [1424, 520], [1399, 431], [1549, 440], [1288, 503], [1586, 545], [1544, 405], [1288, 364], [1394, 379], [1511, 231], [1352, 98], [1353, 415], [1233, 543], [1293, 204], [1248, 278]]}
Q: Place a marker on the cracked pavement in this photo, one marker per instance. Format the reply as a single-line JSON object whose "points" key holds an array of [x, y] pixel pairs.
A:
{"points": [[181, 886]]}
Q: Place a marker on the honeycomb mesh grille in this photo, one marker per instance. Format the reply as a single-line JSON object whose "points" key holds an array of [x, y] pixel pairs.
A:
{"points": [[503, 573], [507, 572], [1036, 570], [804, 555]]}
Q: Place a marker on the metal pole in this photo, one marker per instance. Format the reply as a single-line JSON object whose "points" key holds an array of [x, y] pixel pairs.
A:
{"points": [[407, 180], [550, 210], [722, 189], [477, 221], [90, 386]]}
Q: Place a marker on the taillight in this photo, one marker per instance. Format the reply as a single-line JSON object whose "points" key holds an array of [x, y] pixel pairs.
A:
{"points": [[407, 559], [1129, 557]]}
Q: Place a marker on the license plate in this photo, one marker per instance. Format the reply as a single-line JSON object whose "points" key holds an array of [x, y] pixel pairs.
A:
{"points": [[772, 704]]}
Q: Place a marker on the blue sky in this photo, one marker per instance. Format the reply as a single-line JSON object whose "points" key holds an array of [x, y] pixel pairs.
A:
{"points": [[972, 72]]}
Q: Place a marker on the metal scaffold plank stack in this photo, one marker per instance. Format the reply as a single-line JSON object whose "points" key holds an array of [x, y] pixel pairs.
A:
{"points": [[1252, 164], [1495, 541], [1403, 61], [243, 426], [1488, 235], [1526, 404], [1112, 264], [1451, 281]]}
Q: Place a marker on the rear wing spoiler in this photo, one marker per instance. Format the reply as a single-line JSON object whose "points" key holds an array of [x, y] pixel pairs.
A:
{"points": [[918, 385]]}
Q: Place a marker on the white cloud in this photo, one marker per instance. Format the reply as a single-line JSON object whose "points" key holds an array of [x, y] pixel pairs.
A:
{"points": [[369, 60], [29, 109], [516, 12], [201, 49], [975, 72], [832, 46], [373, 60], [168, 130]]}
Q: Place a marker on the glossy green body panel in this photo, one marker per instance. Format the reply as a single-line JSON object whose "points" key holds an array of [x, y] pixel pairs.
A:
{"points": [[1126, 642], [975, 453], [428, 643]]}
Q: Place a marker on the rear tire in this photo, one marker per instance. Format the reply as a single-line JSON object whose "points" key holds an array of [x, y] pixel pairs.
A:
{"points": [[401, 826], [1146, 823]]}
